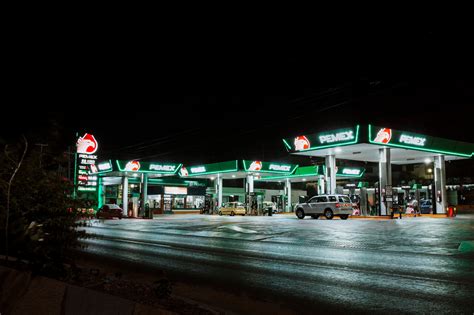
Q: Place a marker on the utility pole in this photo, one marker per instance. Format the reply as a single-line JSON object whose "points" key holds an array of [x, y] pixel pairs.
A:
{"points": [[69, 153], [41, 145]]}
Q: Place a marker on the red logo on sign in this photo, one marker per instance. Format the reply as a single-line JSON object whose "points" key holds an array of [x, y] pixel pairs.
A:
{"points": [[184, 171], [384, 135], [87, 144], [255, 166], [132, 166], [301, 143]]}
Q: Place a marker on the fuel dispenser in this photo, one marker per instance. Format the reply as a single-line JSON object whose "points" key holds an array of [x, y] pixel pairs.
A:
{"points": [[278, 200], [363, 197], [252, 205]]}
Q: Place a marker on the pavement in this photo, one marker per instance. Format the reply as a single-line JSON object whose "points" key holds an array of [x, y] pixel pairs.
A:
{"points": [[413, 265]]}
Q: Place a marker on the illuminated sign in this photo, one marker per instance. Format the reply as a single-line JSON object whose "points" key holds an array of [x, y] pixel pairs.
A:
{"points": [[323, 140], [160, 167], [147, 167], [176, 190], [105, 166], [184, 171], [132, 166], [276, 167], [350, 171], [87, 144], [384, 135], [86, 163], [337, 137], [82, 188], [301, 143], [419, 141], [268, 167], [208, 169], [255, 166], [198, 169]]}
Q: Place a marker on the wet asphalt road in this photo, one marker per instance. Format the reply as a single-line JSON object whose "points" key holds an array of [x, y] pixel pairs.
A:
{"points": [[383, 266]]}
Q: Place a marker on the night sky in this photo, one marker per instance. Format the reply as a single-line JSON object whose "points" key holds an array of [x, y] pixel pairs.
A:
{"points": [[216, 105]]}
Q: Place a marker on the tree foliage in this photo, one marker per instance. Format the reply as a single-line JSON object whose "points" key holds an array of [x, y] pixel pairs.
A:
{"points": [[44, 223]]}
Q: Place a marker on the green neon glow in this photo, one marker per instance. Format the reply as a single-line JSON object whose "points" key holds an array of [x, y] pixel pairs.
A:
{"points": [[104, 172], [356, 139], [416, 148], [213, 172], [153, 172], [291, 171], [362, 171], [287, 145], [99, 193]]}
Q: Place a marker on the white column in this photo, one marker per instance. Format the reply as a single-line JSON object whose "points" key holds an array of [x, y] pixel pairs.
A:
{"points": [[330, 174], [385, 178], [249, 183], [125, 196], [219, 190], [288, 195], [248, 190], [320, 185], [144, 192], [440, 184]]}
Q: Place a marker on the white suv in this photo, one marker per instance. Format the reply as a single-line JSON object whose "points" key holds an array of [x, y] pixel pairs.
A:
{"points": [[327, 205]]}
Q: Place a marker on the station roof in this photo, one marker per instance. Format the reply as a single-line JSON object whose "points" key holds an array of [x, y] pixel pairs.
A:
{"points": [[362, 143], [134, 168], [237, 169]]}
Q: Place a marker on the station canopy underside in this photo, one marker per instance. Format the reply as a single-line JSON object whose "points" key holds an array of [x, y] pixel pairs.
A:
{"points": [[366, 152]]}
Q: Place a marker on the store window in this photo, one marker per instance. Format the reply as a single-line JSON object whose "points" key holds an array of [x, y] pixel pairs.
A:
{"points": [[154, 201], [194, 202], [178, 202]]}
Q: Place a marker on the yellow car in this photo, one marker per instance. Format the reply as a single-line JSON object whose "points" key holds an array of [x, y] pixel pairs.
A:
{"points": [[232, 208]]}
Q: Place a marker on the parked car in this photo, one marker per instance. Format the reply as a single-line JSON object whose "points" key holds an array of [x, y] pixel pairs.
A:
{"points": [[269, 205], [109, 211], [327, 205], [232, 208], [426, 206]]}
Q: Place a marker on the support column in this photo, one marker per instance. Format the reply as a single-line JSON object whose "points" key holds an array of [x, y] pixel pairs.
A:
{"points": [[330, 174], [288, 195], [248, 190], [385, 178], [144, 194], [219, 190], [125, 196], [320, 185], [440, 184]]}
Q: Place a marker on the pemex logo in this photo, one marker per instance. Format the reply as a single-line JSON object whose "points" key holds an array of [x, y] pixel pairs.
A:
{"points": [[87, 144], [255, 166], [132, 166], [184, 171], [384, 135], [301, 143]]}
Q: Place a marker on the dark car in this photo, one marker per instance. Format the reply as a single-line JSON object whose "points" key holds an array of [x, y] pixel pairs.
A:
{"points": [[109, 211], [426, 206]]}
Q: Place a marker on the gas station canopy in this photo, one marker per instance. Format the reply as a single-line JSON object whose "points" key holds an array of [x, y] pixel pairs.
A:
{"points": [[362, 143], [237, 169]]}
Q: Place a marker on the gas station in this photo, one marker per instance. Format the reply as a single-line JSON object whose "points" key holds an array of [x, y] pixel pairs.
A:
{"points": [[386, 147], [143, 188], [247, 170]]}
